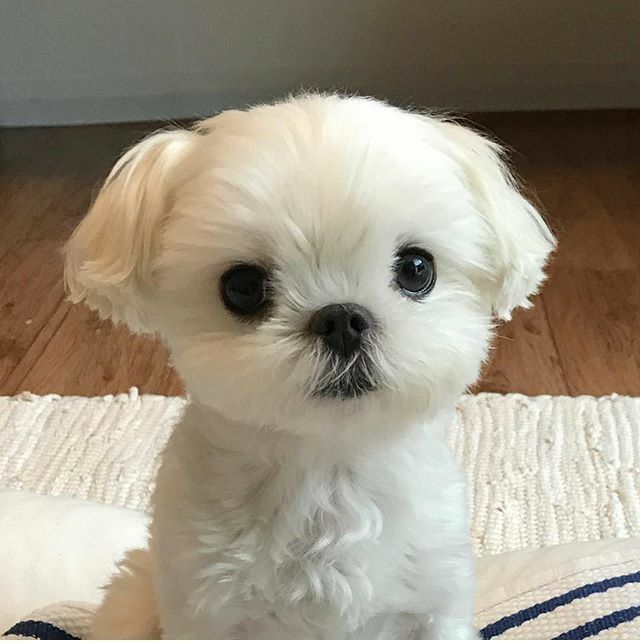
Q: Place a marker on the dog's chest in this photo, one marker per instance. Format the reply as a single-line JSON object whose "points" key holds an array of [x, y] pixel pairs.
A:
{"points": [[330, 543]]}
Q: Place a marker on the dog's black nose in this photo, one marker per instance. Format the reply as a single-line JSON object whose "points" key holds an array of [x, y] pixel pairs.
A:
{"points": [[342, 327]]}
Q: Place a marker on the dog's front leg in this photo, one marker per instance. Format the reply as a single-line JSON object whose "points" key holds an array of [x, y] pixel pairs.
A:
{"points": [[450, 588], [210, 615], [128, 610]]}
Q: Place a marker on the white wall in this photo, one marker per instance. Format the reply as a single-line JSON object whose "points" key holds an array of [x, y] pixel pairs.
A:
{"points": [[68, 61]]}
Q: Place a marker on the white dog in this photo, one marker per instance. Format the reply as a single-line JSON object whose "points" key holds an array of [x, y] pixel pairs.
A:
{"points": [[325, 272]]}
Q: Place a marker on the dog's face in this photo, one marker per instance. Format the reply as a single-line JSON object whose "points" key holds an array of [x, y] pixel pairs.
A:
{"points": [[313, 260]]}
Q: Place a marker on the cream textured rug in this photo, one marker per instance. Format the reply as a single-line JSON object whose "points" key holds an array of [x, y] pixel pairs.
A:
{"points": [[542, 470]]}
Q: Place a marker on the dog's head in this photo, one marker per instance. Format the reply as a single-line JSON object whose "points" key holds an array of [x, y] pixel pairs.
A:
{"points": [[322, 256]]}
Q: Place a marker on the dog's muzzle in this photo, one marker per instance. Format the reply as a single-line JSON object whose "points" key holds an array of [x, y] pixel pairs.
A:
{"points": [[345, 330]]}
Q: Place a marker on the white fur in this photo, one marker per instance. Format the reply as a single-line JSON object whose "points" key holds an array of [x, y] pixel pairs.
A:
{"points": [[278, 514]]}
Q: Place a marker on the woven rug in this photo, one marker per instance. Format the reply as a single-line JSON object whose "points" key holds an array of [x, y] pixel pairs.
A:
{"points": [[541, 470]]}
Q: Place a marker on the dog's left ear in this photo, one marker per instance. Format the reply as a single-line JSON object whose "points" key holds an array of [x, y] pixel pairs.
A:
{"points": [[520, 239], [110, 256]]}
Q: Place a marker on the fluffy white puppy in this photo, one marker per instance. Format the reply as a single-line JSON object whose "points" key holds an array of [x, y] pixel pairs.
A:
{"points": [[325, 272]]}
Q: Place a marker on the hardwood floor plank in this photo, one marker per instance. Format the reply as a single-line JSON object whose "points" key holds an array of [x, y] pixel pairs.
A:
{"points": [[595, 319], [592, 255], [30, 292], [524, 358], [14, 381], [94, 357]]}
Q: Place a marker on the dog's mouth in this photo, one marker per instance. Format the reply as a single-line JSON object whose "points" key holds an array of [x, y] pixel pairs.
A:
{"points": [[344, 381]]}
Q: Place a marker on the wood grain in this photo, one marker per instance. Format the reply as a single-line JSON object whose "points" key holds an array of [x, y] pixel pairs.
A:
{"points": [[523, 346], [582, 337]]}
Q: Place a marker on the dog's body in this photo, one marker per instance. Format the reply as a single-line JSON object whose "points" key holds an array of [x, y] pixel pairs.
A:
{"points": [[325, 272], [310, 540]]}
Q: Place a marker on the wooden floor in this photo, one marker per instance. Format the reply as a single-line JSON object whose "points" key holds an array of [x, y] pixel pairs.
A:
{"points": [[582, 337]]}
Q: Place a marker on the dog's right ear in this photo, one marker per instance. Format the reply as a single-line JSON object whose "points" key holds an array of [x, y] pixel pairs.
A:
{"points": [[109, 258], [519, 240]]}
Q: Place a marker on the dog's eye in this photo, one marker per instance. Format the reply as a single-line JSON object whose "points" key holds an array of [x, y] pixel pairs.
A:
{"points": [[415, 272], [245, 289]]}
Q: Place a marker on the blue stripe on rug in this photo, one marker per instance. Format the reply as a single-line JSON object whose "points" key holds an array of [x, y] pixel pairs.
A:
{"points": [[520, 617], [596, 626], [38, 630]]}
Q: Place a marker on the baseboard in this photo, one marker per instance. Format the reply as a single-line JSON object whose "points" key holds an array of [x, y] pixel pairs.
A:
{"points": [[566, 86]]}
